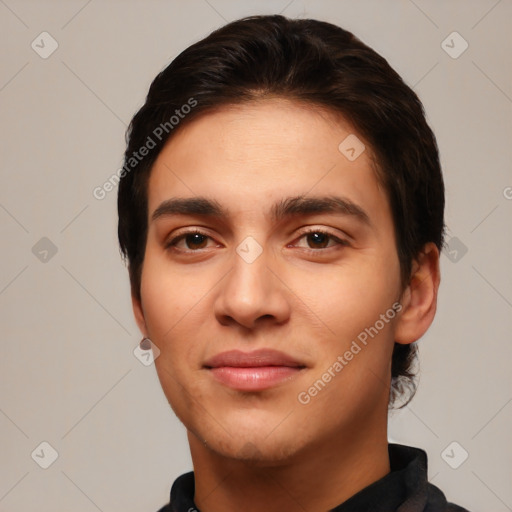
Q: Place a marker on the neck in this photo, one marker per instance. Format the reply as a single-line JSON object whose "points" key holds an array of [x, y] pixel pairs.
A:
{"points": [[319, 478]]}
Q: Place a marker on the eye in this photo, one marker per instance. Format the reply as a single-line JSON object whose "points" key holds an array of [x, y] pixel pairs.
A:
{"points": [[193, 240], [320, 239]]}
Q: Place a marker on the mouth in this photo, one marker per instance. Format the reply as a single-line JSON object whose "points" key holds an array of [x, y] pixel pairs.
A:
{"points": [[253, 371]]}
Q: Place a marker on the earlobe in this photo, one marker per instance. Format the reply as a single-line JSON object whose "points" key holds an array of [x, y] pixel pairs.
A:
{"points": [[138, 313], [419, 299]]}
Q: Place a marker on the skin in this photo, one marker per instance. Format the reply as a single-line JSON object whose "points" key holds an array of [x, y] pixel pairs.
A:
{"points": [[265, 450]]}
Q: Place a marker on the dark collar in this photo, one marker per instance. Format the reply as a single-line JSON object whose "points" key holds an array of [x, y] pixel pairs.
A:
{"points": [[404, 489]]}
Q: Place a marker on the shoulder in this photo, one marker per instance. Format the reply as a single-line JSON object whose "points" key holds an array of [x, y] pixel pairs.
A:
{"points": [[182, 495], [437, 502]]}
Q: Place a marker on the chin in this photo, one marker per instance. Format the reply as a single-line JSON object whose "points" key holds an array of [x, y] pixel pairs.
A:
{"points": [[256, 451], [263, 443]]}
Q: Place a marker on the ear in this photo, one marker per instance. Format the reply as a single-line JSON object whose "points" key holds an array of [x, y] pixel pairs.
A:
{"points": [[419, 299], [138, 313]]}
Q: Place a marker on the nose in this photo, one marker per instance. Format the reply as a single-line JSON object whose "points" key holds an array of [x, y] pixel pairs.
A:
{"points": [[252, 294]]}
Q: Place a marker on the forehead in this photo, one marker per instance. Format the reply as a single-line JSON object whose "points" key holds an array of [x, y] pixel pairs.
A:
{"points": [[255, 153], [295, 128]]}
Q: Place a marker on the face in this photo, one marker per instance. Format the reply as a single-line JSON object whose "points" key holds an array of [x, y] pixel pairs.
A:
{"points": [[271, 300]]}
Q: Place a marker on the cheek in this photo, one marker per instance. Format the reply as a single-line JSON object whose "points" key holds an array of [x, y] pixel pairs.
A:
{"points": [[171, 303], [350, 297], [172, 308], [168, 292]]}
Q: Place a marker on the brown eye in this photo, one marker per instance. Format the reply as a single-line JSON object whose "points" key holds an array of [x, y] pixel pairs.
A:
{"points": [[193, 241], [318, 239]]}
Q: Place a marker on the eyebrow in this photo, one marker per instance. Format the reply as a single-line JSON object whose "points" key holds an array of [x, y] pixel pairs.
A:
{"points": [[284, 208]]}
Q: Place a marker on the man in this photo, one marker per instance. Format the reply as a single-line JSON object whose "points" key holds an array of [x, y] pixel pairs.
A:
{"points": [[281, 210]]}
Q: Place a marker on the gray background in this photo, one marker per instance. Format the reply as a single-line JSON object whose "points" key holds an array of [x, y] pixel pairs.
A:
{"points": [[68, 373]]}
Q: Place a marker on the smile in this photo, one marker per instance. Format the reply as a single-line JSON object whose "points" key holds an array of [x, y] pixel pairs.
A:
{"points": [[253, 371]]}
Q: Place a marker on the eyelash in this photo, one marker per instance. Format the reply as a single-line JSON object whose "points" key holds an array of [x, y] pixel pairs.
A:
{"points": [[340, 242]]}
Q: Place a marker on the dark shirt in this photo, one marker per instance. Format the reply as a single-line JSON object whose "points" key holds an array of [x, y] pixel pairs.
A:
{"points": [[405, 489]]}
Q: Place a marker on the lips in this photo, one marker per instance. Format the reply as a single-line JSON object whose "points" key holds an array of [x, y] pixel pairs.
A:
{"points": [[253, 371]]}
